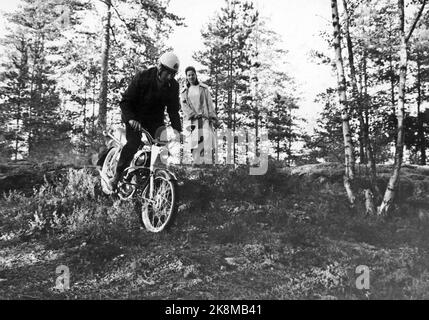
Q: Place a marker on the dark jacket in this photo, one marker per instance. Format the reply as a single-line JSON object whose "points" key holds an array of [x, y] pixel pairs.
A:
{"points": [[144, 102]]}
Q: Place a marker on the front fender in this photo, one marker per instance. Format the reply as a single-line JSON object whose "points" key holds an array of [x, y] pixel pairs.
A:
{"points": [[102, 155], [166, 174]]}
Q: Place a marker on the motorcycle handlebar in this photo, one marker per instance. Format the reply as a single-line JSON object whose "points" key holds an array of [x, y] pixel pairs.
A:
{"points": [[151, 140]]}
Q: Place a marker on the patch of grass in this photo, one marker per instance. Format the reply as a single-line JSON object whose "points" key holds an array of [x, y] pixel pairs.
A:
{"points": [[70, 204], [233, 232]]}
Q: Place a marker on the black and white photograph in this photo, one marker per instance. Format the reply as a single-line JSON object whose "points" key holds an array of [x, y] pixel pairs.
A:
{"points": [[214, 155]]}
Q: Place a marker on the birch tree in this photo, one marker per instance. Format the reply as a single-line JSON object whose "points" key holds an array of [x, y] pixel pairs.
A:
{"points": [[366, 150], [348, 145], [392, 186], [102, 111]]}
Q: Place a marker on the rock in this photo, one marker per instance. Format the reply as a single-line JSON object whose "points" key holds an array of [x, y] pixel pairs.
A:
{"points": [[321, 180], [234, 261], [327, 297], [254, 251], [184, 206], [268, 263], [195, 281], [190, 272], [141, 280], [423, 215]]}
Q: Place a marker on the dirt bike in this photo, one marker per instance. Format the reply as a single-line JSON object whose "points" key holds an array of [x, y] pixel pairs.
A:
{"points": [[154, 187]]}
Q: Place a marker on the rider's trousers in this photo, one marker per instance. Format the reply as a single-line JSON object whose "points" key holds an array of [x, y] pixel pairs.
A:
{"points": [[133, 142]]}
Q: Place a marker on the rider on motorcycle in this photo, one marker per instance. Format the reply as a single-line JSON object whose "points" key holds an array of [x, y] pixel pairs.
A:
{"points": [[143, 106]]}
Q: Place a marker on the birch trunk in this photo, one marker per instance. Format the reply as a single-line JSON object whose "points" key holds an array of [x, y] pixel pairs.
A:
{"points": [[421, 133], [392, 186], [370, 150], [357, 92], [348, 145], [369, 203], [367, 155], [102, 111]]}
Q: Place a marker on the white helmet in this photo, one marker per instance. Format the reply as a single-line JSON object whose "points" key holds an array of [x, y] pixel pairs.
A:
{"points": [[169, 61]]}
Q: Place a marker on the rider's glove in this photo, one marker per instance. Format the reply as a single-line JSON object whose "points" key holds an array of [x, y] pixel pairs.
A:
{"points": [[135, 125]]}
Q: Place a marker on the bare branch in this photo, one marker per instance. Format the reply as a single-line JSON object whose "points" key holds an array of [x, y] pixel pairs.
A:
{"points": [[105, 2], [120, 17], [114, 36], [416, 20], [127, 26]]}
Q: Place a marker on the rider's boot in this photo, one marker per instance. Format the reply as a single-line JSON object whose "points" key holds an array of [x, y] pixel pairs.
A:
{"points": [[114, 182], [120, 168]]}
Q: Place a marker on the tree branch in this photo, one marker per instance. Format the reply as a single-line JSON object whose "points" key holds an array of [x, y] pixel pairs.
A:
{"points": [[114, 36], [130, 31], [122, 19], [415, 21], [107, 3]]}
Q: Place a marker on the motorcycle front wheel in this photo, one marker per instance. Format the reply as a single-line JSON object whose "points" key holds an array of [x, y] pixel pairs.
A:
{"points": [[158, 213]]}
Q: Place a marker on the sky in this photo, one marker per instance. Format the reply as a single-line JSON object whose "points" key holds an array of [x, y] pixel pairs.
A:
{"points": [[298, 22]]}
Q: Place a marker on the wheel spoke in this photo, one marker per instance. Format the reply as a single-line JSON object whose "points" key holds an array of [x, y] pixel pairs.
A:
{"points": [[157, 214]]}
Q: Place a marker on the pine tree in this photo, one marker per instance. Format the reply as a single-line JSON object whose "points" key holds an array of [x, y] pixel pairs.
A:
{"points": [[325, 144], [15, 88], [281, 128], [38, 103], [244, 68]]}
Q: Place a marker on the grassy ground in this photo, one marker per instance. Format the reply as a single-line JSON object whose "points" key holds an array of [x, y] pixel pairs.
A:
{"points": [[277, 236]]}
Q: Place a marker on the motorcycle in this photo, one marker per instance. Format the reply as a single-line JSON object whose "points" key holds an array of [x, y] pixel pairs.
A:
{"points": [[154, 187]]}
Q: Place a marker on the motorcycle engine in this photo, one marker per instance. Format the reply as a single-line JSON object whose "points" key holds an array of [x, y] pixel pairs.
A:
{"points": [[142, 159]]}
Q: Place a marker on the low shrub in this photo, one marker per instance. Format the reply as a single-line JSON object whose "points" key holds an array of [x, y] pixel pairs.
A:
{"points": [[69, 203]]}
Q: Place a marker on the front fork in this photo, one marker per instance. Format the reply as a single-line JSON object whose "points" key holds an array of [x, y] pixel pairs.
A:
{"points": [[154, 155], [156, 150]]}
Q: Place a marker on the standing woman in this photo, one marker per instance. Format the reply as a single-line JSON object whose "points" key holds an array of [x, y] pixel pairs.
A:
{"points": [[198, 108]]}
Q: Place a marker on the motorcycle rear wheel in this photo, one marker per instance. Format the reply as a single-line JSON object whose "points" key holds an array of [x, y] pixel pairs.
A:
{"points": [[108, 170]]}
